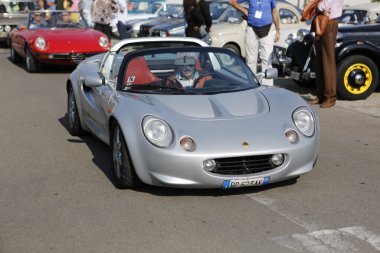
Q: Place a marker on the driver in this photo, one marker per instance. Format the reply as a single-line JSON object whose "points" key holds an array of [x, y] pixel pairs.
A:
{"points": [[38, 21], [187, 75]]}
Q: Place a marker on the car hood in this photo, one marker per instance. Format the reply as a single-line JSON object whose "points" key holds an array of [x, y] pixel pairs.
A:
{"points": [[170, 25], [219, 106], [71, 40], [226, 28]]}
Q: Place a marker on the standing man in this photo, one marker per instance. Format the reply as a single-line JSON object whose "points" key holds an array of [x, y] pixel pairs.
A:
{"points": [[325, 64], [205, 9], [102, 11], [259, 32]]}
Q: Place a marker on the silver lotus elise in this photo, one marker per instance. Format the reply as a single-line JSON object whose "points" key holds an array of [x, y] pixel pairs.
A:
{"points": [[177, 113]]}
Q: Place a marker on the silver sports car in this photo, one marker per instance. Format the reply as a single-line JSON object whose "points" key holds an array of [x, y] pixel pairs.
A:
{"points": [[177, 113]]}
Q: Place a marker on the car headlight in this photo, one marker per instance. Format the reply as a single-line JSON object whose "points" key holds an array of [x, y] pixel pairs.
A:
{"points": [[304, 121], [103, 41], [163, 34], [301, 34], [157, 131], [7, 28], [289, 39], [1, 28], [40, 43]]}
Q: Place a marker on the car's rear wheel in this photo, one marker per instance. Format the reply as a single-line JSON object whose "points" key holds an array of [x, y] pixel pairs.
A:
{"points": [[14, 55], [75, 127], [232, 48], [357, 77], [123, 169], [32, 65]]}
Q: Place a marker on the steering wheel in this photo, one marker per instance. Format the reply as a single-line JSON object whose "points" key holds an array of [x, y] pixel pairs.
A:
{"points": [[196, 81]]}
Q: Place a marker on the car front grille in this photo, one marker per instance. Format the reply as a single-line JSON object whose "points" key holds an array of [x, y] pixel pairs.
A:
{"points": [[243, 165]]}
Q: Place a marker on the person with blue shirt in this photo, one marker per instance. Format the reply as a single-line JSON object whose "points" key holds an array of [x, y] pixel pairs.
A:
{"points": [[259, 34]]}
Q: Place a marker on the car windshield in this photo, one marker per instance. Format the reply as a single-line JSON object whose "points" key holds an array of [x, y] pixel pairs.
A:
{"points": [[143, 7], [56, 19], [173, 11], [190, 70], [16, 7], [217, 8], [353, 16]]}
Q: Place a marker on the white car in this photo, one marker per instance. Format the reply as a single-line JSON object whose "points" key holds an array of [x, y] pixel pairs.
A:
{"points": [[230, 34]]}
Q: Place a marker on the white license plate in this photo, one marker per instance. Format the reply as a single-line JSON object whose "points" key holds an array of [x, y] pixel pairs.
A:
{"points": [[295, 75], [245, 182]]}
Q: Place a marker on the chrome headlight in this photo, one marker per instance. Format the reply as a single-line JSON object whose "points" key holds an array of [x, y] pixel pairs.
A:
{"points": [[301, 34], [289, 39], [157, 131], [304, 121], [103, 41], [7, 28], [40, 43], [1, 28]]}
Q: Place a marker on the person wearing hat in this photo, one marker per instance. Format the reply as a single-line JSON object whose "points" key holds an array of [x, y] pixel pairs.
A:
{"points": [[187, 75]]}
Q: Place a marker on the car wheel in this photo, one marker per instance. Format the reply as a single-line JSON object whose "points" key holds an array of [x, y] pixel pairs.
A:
{"points": [[14, 55], [124, 172], [357, 77], [75, 127], [32, 65], [232, 48]]}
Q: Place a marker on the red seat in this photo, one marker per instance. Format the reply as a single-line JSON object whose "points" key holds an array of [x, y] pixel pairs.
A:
{"points": [[139, 73]]}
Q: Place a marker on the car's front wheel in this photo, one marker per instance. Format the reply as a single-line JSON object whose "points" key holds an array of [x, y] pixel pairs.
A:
{"points": [[232, 48], [123, 169], [357, 77], [32, 65], [75, 127]]}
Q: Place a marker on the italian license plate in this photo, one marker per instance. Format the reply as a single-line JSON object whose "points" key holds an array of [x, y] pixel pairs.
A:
{"points": [[245, 182], [295, 75]]}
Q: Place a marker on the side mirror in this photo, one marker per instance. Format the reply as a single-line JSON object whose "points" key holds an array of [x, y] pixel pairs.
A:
{"points": [[21, 27], [94, 79]]}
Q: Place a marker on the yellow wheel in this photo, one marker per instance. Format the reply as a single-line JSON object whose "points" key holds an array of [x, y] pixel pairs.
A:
{"points": [[357, 77]]}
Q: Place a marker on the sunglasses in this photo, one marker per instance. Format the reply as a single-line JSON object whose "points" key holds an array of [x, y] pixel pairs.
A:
{"points": [[64, 15], [188, 67], [38, 15]]}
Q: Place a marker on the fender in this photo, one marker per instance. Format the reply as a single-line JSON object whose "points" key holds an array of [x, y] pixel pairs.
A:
{"points": [[357, 47]]}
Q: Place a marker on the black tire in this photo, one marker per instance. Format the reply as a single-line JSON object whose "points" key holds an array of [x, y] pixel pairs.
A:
{"points": [[75, 127], [31, 64], [232, 48], [122, 165], [14, 56], [357, 77]]}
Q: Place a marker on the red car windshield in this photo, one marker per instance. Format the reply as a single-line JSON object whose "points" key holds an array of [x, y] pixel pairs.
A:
{"points": [[56, 19]]}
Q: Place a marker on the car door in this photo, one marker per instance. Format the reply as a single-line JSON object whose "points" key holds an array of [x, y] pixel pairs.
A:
{"points": [[100, 104]]}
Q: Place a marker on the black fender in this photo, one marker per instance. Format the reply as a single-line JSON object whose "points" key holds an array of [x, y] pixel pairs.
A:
{"points": [[358, 47]]}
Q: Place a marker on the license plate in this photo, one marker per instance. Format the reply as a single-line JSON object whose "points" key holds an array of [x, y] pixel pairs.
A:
{"points": [[245, 182], [295, 75]]}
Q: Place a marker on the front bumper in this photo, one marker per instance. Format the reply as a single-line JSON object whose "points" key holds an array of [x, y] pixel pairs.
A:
{"points": [[63, 58], [178, 168]]}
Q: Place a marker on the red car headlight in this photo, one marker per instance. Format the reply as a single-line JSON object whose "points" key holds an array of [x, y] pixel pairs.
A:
{"points": [[103, 41], [40, 43]]}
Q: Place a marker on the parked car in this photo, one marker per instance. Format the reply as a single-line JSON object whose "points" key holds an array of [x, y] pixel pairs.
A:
{"points": [[57, 42], [360, 14], [201, 136], [230, 32], [12, 14], [357, 53], [177, 28], [172, 10]]}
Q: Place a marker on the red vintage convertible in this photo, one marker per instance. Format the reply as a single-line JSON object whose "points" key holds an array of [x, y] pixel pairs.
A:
{"points": [[55, 37]]}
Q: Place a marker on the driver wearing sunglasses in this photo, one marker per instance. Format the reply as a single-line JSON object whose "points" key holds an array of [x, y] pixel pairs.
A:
{"points": [[187, 75], [38, 21]]}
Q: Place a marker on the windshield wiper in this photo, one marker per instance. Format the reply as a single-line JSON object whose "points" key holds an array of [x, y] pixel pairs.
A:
{"points": [[161, 87]]}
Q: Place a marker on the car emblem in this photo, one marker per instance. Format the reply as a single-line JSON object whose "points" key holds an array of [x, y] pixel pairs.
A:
{"points": [[245, 144]]}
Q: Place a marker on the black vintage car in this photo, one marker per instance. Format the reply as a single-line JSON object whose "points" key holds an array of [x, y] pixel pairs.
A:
{"points": [[357, 58]]}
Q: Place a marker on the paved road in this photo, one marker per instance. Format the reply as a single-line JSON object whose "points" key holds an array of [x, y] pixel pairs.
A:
{"points": [[57, 194]]}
